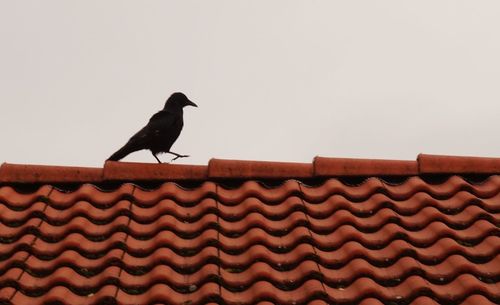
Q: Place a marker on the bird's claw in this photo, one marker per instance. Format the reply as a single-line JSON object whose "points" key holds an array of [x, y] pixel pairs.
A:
{"points": [[179, 156]]}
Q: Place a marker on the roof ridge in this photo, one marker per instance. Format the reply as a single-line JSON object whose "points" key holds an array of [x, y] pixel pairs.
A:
{"points": [[320, 167]]}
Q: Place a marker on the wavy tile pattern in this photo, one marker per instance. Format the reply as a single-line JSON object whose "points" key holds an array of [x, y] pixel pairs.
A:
{"points": [[333, 243]]}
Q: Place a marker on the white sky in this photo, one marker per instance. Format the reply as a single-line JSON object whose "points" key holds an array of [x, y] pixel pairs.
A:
{"points": [[275, 80]]}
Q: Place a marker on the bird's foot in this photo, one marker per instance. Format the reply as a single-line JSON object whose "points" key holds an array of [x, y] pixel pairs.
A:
{"points": [[177, 156]]}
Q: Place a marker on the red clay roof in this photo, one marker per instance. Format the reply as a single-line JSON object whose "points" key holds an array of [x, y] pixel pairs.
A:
{"points": [[236, 169], [418, 241]]}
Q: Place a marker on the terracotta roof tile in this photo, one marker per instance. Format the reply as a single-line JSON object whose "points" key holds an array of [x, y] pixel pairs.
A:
{"points": [[44, 173], [363, 167], [238, 169], [150, 171], [413, 240], [434, 164], [218, 168]]}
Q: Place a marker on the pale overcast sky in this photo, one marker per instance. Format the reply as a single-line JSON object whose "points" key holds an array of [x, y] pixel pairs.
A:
{"points": [[274, 80]]}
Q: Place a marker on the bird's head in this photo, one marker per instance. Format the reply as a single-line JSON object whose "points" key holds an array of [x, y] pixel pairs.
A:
{"points": [[178, 100]]}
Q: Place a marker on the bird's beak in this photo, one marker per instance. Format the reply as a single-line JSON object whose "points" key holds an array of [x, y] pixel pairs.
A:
{"points": [[189, 103]]}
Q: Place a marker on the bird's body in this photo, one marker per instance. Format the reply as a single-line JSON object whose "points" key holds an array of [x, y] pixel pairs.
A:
{"points": [[168, 127], [161, 132]]}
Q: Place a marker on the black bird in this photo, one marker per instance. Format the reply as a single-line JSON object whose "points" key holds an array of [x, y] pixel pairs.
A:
{"points": [[161, 132]]}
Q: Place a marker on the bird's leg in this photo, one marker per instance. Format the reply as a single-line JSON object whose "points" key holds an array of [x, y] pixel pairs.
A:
{"points": [[156, 157], [177, 156]]}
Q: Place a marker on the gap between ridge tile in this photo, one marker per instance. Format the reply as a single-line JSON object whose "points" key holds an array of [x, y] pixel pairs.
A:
{"points": [[132, 200], [219, 259], [310, 235]]}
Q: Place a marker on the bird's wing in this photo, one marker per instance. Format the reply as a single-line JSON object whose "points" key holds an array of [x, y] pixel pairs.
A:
{"points": [[159, 121]]}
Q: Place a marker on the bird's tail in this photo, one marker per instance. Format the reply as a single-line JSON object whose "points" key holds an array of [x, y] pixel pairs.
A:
{"points": [[121, 153]]}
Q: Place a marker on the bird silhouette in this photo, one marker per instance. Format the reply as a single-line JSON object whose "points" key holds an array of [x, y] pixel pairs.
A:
{"points": [[162, 130]]}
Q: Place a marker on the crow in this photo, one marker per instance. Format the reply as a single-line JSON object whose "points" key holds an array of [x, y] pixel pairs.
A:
{"points": [[160, 133]]}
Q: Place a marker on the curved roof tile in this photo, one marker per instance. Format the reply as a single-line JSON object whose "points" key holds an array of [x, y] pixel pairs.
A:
{"points": [[417, 241]]}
